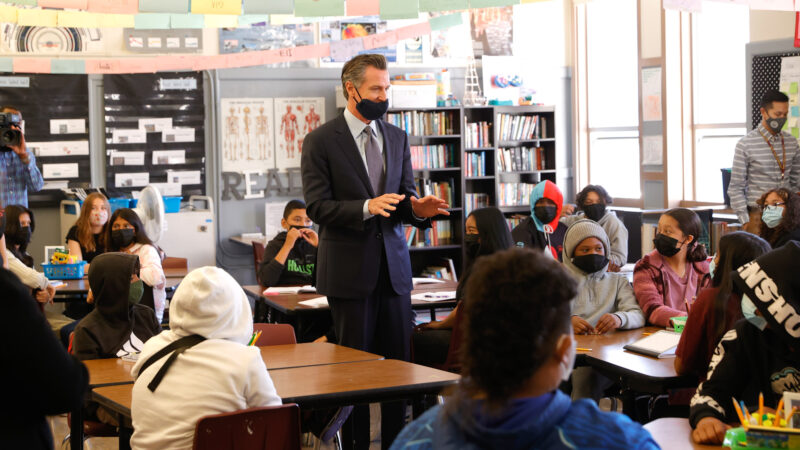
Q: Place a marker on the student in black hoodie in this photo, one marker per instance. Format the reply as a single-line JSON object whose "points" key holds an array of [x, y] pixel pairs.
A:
{"points": [[291, 255], [118, 325], [39, 377], [760, 354]]}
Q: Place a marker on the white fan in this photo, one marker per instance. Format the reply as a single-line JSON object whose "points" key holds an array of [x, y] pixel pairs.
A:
{"points": [[150, 209]]}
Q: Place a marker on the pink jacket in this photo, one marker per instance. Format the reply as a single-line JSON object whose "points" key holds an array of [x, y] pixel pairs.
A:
{"points": [[652, 288]]}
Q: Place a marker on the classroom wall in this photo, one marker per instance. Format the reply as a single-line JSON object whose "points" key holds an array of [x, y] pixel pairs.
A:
{"points": [[650, 28], [770, 25]]}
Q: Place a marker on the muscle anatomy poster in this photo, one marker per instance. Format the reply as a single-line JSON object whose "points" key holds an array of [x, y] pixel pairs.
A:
{"points": [[294, 119], [248, 136]]}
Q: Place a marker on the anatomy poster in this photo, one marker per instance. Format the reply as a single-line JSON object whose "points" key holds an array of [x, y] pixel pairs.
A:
{"points": [[294, 119], [247, 135]]}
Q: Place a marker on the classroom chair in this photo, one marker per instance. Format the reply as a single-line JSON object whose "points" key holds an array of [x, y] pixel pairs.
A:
{"points": [[270, 427], [258, 256], [173, 262], [275, 334]]}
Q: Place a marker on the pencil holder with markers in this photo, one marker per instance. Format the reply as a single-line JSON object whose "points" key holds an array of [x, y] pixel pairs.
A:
{"points": [[761, 430]]}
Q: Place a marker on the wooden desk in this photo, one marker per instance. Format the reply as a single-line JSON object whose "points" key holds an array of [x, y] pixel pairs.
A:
{"points": [[248, 242], [80, 287], [673, 432], [636, 373], [109, 372], [326, 385]]}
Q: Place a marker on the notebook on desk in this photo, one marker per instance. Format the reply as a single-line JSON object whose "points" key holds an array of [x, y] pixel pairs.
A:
{"points": [[661, 344], [277, 290]]}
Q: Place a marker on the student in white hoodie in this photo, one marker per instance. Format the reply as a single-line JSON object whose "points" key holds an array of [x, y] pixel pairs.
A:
{"points": [[605, 300], [219, 373]]}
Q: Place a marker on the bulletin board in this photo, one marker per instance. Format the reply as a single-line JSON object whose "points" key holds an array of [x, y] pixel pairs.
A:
{"points": [[155, 132], [766, 74], [55, 113]]}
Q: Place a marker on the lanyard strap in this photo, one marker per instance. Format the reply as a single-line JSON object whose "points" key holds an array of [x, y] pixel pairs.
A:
{"points": [[781, 163]]}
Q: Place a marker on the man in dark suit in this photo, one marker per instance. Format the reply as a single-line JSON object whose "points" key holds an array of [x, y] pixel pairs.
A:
{"points": [[359, 187]]}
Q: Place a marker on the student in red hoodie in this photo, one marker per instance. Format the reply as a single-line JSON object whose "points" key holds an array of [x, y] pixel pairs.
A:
{"points": [[542, 229]]}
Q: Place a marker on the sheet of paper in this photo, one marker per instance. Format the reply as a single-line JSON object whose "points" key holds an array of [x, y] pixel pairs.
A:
{"points": [[448, 21], [167, 6], [400, 9], [136, 179], [317, 8], [220, 21], [67, 126], [152, 21], [117, 20], [273, 213], [316, 302], [67, 66], [163, 157], [344, 49], [37, 17], [178, 135], [363, 7], [8, 14], [270, 7], [380, 40], [424, 280], [659, 341], [55, 185], [182, 21], [184, 176], [278, 290], [155, 124], [437, 296], [116, 158], [79, 19], [59, 148], [66, 170], [114, 6], [652, 153], [168, 189], [128, 136], [31, 65], [491, 3], [442, 5], [179, 84], [217, 7], [651, 94]]}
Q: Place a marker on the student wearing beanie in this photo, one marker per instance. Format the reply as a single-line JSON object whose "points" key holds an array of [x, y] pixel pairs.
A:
{"points": [[592, 202], [759, 355], [605, 300]]}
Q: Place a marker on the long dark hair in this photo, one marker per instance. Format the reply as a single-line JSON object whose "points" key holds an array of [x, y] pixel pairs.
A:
{"points": [[689, 223], [494, 236], [127, 214], [735, 250], [791, 216], [12, 227]]}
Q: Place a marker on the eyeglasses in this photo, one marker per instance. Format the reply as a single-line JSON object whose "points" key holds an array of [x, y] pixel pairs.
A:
{"points": [[763, 207]]}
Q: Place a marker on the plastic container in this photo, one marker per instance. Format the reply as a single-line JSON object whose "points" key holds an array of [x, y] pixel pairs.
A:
{"points": [[171, 204], [678, 323], [64, 271], [117, 203]]}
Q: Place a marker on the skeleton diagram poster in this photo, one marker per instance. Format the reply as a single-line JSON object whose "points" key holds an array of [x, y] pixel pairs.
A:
{"points": [[294, 119], [248, 140]]}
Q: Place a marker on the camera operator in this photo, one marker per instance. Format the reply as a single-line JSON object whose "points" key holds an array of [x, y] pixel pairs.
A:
{"points": [[18, 171]]}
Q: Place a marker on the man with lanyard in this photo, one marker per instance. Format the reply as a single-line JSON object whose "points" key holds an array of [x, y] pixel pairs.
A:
{"points": [[764, 159]]}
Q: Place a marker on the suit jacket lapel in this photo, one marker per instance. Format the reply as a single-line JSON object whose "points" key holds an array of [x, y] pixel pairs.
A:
{"points": [[349, 148], [388, 155]]}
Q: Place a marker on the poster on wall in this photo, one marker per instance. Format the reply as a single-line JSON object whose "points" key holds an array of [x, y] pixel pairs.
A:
{"points": [[247, 134], [789, 81], [651, 94], [294, 119], [451, 46], [269, 37], [492, 31], [355, 28], [55, 40]]}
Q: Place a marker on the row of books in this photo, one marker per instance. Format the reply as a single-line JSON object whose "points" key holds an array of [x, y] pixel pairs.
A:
{"points": [[475, 201], [432, 156], [514, 194], [445, 270], [424, 123], [441, 189], [477, 135], [440, 233], [520, 159], [514, 221], [475, 164], [520, 127]]}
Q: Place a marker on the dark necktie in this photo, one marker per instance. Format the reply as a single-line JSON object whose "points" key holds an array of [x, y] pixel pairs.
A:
{"points": [[374, 161]]}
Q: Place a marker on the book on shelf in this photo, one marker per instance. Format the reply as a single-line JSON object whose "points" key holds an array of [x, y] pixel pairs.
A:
{"points": [[518, 159], [440, 233], [719, 229], [476, 134], [475, 164], [424, 123], [514, 194], [432, 156], [445, 270], [441, 189], [514, 221], [520, 127], [475, 201]]}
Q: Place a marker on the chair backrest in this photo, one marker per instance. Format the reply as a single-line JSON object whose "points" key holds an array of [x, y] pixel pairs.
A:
{"points": [[173, 262], [258, 255], [275, 334], [269, 427], [453, 361]]}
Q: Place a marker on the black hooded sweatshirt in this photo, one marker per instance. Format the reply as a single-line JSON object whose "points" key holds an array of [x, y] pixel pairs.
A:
{"points": [[299, 267], [115, 327]]}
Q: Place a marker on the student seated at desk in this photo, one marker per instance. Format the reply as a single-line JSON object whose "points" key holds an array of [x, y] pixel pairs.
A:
{"points": [[518, 347], [760, 354], [84, 239], [591, 202], [210, 318], [486, 233], [39, 378], [780, 217], [667, 279], [718, 307], [605, 301], [19, 225], [290, 256], [126, 234], [542, 229]]}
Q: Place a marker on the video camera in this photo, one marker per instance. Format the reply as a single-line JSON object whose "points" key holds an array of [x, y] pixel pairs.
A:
{"points": [[9, 135]]}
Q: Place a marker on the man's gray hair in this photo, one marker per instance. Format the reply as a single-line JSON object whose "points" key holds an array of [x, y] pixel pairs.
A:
{"points": [[353, 70]]}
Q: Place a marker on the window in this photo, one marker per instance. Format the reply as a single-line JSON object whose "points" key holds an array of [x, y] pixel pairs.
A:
{"points": [[612, 91], [719, 35]]}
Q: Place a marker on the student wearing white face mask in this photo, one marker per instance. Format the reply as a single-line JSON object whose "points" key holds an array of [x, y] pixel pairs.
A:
{"points": [[780, 217], [84, 239], [518, 348]]}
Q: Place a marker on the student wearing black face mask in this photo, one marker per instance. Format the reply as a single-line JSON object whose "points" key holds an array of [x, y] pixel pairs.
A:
{"points": [[669, 278], [605, 301], [19, 225], [542, 229], [592, 202], [486, 233], [290, 256], [125, 233]]}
